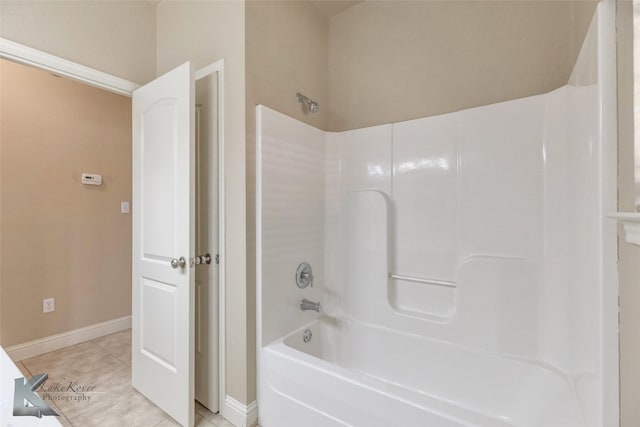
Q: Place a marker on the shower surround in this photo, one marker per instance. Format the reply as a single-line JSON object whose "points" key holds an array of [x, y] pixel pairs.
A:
{"points": [[463, 263]]}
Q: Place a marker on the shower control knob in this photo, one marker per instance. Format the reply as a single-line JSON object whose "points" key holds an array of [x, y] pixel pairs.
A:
{"points": [[304, 275]]}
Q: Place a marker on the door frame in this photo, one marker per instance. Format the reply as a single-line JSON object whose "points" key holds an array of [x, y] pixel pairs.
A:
{"points": [[36, 58], [218, 67]]}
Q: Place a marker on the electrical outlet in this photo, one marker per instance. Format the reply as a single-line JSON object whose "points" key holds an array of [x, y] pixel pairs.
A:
{"points": [[48, 305]]}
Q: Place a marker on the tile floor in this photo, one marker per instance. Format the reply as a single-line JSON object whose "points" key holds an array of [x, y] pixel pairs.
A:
{"points": [[106, 364]]}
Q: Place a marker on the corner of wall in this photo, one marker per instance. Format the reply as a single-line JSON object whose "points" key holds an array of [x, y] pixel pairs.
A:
{"points": [[585, 70]]}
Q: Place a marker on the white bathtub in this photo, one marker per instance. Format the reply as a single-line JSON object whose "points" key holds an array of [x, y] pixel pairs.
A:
{"points": [[404, 380]]}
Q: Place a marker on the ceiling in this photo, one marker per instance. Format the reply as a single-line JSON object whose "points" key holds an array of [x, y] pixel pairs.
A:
{"points": [[327, 7], [332, 7]]}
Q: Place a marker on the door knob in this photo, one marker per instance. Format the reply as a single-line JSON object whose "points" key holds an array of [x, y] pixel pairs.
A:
{"points": [[180, 262], [201, 259]]}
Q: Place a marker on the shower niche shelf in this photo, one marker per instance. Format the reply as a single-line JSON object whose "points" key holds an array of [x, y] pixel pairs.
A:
{"points": [[631, 223]]}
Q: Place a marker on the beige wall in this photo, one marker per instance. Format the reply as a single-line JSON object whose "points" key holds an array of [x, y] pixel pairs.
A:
{"points": [[629, 255], [287, 51], [60, 238], [205, 32], [394, 60], [117, 37]]}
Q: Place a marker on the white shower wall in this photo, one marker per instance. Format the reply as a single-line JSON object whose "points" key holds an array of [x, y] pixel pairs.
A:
{"points": [[499, 200], [488, 198], [505, 201], [290, 218]]}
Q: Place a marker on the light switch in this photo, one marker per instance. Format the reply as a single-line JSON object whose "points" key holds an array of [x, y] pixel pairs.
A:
{"points": [[124, 207]]}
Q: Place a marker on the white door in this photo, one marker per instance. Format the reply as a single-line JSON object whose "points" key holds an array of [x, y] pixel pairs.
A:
{"points": [[163, 242]]}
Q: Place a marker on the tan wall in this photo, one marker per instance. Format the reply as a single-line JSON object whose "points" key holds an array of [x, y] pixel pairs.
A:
{"points": [[117, 37], [395, 60], [205, 32], [60, 238], [629, 255], [287, 51]]}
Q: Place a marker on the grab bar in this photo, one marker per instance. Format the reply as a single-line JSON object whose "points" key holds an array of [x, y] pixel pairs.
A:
{"points": [[423, 280]]}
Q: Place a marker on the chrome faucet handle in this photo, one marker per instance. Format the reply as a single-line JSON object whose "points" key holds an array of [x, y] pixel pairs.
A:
{"points": [[304, 275]]}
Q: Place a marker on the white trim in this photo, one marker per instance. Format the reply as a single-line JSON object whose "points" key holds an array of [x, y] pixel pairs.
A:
{"points": [[65, 339], [222, 242], [259, 109], [218, 67], [631, 223], [239, 414], [27, 55], [608, 176]]}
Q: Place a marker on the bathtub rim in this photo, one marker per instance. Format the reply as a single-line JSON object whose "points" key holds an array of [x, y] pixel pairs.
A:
{"points": [[365, 380]]}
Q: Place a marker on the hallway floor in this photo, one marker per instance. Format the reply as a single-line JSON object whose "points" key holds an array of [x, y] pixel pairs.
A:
{"points": [[89, 384]]}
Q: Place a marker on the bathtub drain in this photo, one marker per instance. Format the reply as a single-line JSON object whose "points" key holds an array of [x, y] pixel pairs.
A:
{"points": [[306, 336]]}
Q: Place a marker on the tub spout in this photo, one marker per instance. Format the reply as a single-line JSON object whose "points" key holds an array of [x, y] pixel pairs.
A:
{"points": [[305, 305]]}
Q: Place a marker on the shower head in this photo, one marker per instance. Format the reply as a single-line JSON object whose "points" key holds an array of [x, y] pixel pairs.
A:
{"points": [[312, 106]]}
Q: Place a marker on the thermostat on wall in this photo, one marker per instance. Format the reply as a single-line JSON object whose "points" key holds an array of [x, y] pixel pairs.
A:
{"points": [[91, 179]]}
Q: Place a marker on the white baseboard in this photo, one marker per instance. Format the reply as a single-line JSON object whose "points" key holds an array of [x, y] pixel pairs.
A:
{"points": [[239, 414], [54, 342]]}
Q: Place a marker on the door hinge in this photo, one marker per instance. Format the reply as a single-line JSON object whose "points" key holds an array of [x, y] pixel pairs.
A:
{"points": [[217, 258]]}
